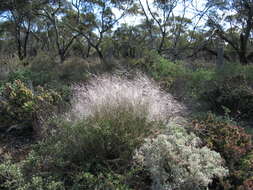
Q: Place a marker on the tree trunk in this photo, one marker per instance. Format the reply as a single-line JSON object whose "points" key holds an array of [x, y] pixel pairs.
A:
{"points": [[243, 58], [243, 49], [62, 55], [88, 51], [105, 61]]}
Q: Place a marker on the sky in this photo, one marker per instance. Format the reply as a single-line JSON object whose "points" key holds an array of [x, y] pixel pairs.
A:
{"points": [[190, 12]]}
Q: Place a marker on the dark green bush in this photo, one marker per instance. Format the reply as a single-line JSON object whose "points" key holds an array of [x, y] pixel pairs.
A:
{"points": [[231, 94]]}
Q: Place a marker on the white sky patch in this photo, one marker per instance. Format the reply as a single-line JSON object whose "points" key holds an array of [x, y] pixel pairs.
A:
{"points": [[191, 10]]}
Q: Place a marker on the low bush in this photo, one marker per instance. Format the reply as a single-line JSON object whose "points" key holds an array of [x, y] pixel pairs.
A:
{"points": [[42, 62], [146, 60], [12, 178], [232, 94], [176, 160], [77, 70], [233, 144], [20, 105], [23, 75], [107, 140]]}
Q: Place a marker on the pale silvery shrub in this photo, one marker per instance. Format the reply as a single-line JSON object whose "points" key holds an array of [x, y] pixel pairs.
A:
{"points": [[108, 93], [175, 160]]}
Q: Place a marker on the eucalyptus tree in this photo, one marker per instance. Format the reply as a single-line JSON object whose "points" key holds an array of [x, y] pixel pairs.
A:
{"points": [[20, 16], [232, 21], [130, 41], [56, 18], [162, 14], [96, 18]]}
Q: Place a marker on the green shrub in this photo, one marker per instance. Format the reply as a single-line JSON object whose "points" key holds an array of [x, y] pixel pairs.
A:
{"points": [[197, 81], [42, 62], [20, 105], [23, 75], [106, 140], [234, 70], [12, 178], [76, 70], [167, 72], [233, 94], [176, 77], [146, 61], [101, 181], [43, 69], [28, 76]]}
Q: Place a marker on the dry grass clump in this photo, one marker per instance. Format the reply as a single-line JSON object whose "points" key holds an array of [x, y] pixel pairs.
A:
{"points": [[105, 95]]}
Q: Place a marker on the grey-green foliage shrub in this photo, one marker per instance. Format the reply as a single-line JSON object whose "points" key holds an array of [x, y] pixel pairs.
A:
{"points": [[176, 160], [104, 139], [78, 70], [43, 69], [42, 62]]}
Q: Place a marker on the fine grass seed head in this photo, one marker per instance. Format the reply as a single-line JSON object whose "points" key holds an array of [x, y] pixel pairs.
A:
{"points": [[107, 94]]}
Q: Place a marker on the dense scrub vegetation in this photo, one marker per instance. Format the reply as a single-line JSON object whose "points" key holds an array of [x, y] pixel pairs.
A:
{"points": [[90, 102]]}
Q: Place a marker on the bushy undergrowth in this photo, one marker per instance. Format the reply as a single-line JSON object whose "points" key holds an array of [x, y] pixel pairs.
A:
{"points": [[97, 147], [233, 94], [234, 145], [176, 77], [93, 149], [223, 89], [93, 155]]}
